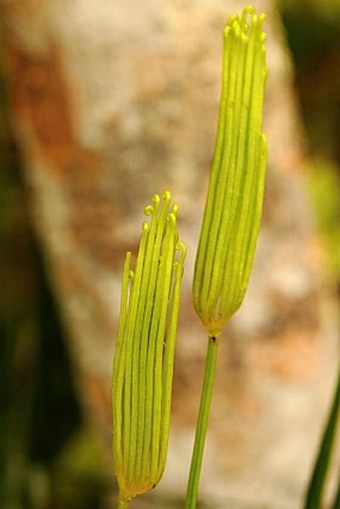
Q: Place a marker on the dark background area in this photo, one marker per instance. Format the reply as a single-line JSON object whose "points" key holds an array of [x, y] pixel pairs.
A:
{"points": [[42, 431], [44, 463]]}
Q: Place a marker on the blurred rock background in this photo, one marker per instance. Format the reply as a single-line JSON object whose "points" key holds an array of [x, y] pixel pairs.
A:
{"points": [[103, 104]]}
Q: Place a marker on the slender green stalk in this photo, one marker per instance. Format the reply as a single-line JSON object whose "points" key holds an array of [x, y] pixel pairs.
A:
{"points": [[202, 422], [336, 502], [319, 475]]}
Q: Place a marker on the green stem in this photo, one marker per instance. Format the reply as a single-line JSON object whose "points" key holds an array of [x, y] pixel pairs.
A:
{"points": [[317, 482], [122, 503], [202, 422]]}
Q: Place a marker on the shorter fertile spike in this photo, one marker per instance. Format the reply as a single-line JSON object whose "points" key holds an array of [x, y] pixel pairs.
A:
{"points": [[144, 354]]}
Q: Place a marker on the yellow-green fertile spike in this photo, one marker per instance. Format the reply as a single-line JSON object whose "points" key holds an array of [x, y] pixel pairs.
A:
{"points": [[144, 354], [234, 202]]}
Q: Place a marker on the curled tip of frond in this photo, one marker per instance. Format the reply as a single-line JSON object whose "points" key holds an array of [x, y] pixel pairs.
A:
{"points": [[249, 9], [148, 210], [166, 196], [174, 209], [172, 218], [156, 199], [240, 25], [152, 209], [182, 248], [178, 264], [231, 22]]}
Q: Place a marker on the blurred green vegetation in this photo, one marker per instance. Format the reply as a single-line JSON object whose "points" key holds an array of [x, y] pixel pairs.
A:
{"points": [[48, 457], [324, 186], [313, 32]]}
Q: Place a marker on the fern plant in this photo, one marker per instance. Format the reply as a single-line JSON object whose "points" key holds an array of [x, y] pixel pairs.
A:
{"points": [[144, 354], [143, 360]]}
